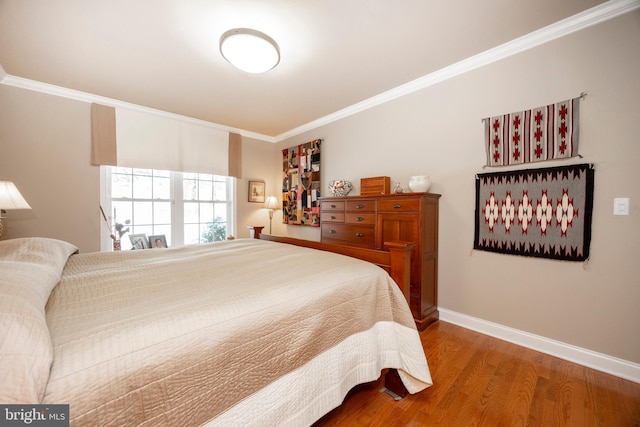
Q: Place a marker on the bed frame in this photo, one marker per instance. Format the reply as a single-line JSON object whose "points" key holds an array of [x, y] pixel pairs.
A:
{"points": [[396, 261]]}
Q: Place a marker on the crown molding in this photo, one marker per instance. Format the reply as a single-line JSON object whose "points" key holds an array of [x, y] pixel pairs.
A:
{"points": [[580, 21], [77, 95]]}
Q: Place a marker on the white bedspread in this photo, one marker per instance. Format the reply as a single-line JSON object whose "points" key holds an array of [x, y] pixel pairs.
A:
{"points": [[233, 333]]}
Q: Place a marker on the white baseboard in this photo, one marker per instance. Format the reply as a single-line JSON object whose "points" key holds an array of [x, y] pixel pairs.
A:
{"points": [[598, 361]]}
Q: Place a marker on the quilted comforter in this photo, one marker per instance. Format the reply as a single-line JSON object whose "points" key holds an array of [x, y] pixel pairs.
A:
{"points": [[243, 332]]}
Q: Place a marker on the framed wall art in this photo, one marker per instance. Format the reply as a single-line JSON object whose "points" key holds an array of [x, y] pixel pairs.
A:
{"points": [[301, 184], [256, 191]]}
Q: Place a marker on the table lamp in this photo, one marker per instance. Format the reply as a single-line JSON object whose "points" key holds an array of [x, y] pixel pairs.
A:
{"points": [[10, 198], [271, 204]]}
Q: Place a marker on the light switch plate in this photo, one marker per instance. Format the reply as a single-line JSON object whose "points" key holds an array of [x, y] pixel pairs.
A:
{"points": [[621, 206]]}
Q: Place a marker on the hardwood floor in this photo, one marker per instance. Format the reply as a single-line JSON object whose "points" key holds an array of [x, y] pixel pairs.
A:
{"points": [[483, 381]]}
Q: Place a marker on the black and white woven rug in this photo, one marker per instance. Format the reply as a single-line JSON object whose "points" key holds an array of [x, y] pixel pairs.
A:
{"points": [[536, 212]]}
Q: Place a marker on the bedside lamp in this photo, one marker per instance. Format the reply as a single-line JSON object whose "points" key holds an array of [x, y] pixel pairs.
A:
{"points": [[271, 204], [10, 198]]}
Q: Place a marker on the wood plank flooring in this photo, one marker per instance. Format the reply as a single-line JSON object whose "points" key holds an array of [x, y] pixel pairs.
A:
{"points": [[484, 381]]}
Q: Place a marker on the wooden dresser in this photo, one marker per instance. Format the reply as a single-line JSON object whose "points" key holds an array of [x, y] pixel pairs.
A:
{"points": [[370, 221]]}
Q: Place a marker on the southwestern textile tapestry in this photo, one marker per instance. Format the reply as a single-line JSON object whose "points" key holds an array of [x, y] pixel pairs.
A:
{"points": [[301, 184], [542, 213], [544, 133]]}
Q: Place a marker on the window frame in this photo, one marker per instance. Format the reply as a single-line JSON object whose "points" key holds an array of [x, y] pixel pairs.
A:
{"points": [[177, 206]]}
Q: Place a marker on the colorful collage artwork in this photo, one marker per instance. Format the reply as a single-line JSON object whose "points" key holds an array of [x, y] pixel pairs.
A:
{"points": [[301, 184]]}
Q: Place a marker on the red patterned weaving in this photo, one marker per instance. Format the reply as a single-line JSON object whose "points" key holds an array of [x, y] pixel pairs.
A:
{"points": [[544, 133]]}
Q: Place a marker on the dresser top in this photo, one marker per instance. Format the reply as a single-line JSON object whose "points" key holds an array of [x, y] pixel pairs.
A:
{"points": [[393, 195]]}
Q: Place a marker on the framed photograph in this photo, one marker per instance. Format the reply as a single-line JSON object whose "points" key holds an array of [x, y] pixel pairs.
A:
{"points": [[139, 241], [158, 241], [256, 191]]}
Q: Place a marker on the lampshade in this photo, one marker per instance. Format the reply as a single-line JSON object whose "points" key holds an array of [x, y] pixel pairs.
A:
{"points": [[249, 50], [10, 197], [271, 203]]}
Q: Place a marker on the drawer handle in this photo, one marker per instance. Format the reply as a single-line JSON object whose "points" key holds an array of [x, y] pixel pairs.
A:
{"points": [[359, 206], [397, 206], [359, 219], [359, 234], [333, 217], [333, 206], [332, 231]]}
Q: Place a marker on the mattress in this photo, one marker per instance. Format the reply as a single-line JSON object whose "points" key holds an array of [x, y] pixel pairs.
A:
{"points": [[243, 332]]}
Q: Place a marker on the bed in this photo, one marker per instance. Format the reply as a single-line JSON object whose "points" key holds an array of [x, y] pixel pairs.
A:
{"points": [[241, 332]]}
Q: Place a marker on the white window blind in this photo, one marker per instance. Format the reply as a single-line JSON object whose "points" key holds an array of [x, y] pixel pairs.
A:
{"points": [[153, 142], [130, 138]]}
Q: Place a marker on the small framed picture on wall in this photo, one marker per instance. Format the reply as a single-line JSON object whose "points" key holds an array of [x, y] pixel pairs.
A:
{"points": [[256, 191]]}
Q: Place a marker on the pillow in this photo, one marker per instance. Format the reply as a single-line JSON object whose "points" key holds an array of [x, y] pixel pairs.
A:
{"points": [[31, 267]]}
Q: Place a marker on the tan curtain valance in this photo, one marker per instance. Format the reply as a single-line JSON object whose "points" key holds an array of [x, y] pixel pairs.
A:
{"points": [[103, 135], [235, 155], [137, 139]]}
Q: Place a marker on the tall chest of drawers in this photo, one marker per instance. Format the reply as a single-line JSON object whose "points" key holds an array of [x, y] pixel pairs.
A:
{"points": [[370, 221]]}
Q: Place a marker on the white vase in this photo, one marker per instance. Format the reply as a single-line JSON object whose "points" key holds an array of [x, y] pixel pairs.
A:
{"points": [[419, 183]]}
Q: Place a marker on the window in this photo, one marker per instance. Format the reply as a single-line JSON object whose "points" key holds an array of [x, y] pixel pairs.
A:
{"points": [[186, 208], [206, 207]]}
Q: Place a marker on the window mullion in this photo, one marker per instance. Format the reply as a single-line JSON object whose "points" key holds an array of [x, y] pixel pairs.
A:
{"points": [[177, 208]]}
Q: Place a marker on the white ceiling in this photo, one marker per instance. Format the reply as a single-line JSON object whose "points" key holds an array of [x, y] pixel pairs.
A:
{"points": [[164, 54]]}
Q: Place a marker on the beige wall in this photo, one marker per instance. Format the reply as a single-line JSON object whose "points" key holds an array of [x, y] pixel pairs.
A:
{"points": [[44, 148], [256, 166], [438, 132]]}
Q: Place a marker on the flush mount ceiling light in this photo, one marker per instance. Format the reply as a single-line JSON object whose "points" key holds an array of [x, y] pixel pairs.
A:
{"points": [[249, 50]]}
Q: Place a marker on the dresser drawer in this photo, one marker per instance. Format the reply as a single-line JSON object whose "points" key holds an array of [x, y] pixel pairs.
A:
{"points": [[350, 234], [399, 205], [332, 205], [332, 216], [361, 205], [368, 221], [361, 218]]}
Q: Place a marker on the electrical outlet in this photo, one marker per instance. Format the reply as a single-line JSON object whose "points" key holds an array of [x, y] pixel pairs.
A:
{"points": [[621, 206]]}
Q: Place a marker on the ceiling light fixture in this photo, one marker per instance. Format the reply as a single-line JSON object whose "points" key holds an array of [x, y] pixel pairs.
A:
{"points": [[249, 50]]}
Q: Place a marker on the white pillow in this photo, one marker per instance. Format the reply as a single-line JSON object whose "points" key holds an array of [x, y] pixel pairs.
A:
{"points": [[30, 268]]}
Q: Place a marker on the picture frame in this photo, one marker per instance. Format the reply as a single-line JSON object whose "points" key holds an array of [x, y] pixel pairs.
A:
{"points": [[256, 191], [157, 241], [301, 184], [139, 241]]}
